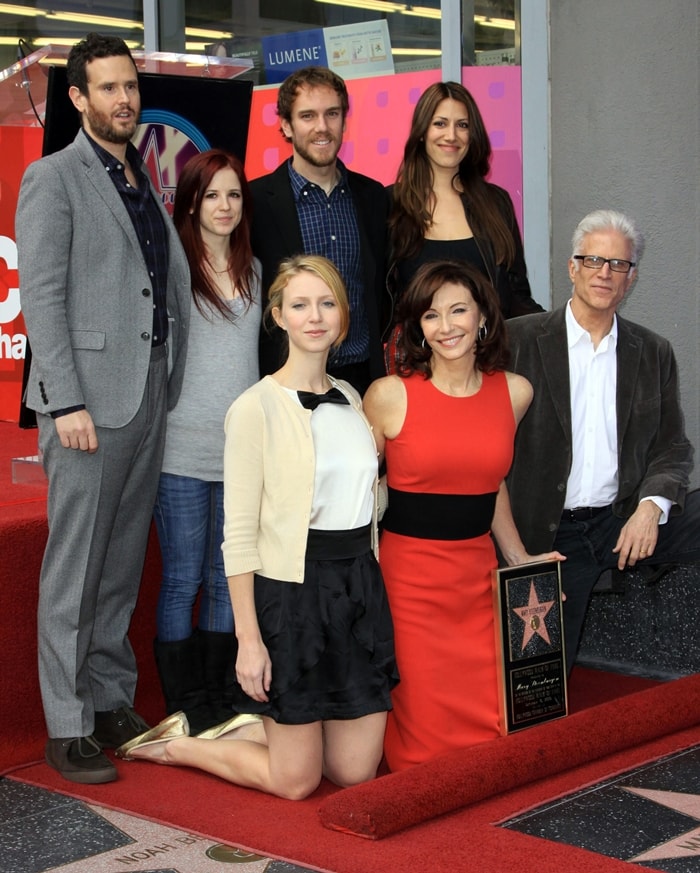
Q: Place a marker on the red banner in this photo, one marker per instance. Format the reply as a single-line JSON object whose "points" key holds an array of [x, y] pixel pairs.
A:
{"points": [[19, 146]]}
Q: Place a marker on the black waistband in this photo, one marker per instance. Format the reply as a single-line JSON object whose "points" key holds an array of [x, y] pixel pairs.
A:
{"points": [[439, 516], [583, 513], [329, 545]]}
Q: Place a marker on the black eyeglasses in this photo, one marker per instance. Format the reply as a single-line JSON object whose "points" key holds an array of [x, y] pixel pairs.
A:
{"points": [[595, 262]]}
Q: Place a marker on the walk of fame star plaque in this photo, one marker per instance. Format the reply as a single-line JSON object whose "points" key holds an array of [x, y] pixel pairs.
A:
{"points": [[530, 644]]}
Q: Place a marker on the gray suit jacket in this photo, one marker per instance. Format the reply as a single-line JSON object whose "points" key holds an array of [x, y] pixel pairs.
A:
{"points": [[86, 294], [654, 455]]}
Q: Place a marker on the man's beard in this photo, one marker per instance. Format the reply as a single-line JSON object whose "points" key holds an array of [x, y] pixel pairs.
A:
{"points": [[314, 160], [102, 127]]}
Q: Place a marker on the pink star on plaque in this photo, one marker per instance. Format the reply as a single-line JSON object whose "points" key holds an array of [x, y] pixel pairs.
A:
{"points": [[534, 615]]}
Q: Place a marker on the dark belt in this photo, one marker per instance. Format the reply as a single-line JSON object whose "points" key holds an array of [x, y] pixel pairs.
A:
{"points": [[331, 545], [439, 516], [583, 513]]}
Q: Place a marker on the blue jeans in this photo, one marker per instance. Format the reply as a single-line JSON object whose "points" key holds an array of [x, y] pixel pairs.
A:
{"points": [[189, 516]]}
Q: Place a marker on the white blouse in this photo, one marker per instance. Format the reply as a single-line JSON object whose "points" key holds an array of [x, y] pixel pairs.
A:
{"points": [[346, 466]]}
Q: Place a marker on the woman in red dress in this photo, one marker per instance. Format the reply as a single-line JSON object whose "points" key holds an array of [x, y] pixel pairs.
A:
{"points": [[446, 424]]}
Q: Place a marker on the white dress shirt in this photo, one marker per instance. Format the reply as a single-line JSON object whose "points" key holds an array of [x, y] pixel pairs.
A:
{"points": [[593, 386]]}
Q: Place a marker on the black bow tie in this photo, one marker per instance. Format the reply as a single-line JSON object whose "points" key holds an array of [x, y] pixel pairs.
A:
{"points": [[309, 400]]}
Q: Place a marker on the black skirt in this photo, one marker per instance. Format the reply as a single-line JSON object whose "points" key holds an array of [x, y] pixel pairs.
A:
{"points": [[330, 638]]}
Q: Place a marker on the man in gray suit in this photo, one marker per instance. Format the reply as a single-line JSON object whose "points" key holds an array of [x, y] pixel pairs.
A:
{"points": [[602, 462], [105, 297]]}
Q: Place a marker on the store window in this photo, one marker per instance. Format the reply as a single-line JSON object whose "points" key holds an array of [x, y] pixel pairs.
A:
{"points": [[361, 37], [27, 25], [408, 33]]}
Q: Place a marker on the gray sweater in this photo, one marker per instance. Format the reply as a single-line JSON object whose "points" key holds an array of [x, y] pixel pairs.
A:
{"points": [[222, 362]]}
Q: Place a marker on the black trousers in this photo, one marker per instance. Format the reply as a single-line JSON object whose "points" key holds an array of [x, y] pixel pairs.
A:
{"points": [[588, 546]]}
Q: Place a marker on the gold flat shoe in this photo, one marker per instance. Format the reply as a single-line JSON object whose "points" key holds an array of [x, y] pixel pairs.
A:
{"points": [[213, 733], [175, 725]]}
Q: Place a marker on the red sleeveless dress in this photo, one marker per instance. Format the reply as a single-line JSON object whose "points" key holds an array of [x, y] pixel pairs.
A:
{"points": [[440, 590]]}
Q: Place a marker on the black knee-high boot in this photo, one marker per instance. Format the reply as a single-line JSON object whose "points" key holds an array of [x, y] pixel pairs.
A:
{"points": [[181, 672], [219, 651]]}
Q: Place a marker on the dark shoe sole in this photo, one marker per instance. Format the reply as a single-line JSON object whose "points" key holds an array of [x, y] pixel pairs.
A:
{"points": [[87, 777], [93, 768]]}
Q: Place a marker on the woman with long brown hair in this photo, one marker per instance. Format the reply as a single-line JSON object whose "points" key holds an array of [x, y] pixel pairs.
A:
{"points": [[445, 424], [442, 207]]}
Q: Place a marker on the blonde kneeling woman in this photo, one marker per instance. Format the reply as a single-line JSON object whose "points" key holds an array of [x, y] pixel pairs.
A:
{"points": [[315, 639]]}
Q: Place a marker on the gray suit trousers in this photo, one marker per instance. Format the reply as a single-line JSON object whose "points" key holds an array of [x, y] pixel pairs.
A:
{"points": [[99, 514]]}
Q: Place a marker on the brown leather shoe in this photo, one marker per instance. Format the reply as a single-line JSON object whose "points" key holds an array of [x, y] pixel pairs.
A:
{"points": [[80, 759], [114, 727]]}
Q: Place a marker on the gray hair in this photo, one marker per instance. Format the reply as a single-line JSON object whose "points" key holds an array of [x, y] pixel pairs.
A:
{"points": [[608, 219]]}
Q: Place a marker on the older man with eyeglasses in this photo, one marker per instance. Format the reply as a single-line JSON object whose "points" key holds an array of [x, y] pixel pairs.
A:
{"points": [[602, 463]]}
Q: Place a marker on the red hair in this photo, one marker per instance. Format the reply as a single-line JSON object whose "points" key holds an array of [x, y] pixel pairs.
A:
{"points": [[192, 184]]}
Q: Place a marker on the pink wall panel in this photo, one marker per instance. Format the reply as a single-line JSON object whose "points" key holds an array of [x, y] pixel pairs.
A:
{"points": [[380, 115]]}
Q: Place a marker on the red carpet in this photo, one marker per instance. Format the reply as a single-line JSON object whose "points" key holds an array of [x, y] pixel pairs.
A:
{"points": [[22, 539], [22, 729], [464, 777], [466, 840]]}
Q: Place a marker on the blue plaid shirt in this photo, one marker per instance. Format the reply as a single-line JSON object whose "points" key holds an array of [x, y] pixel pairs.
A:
{"points": [[329, 228], [149, 226]]}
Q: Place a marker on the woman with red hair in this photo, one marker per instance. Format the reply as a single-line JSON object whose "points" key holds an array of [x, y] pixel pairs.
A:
{"points": [[212, 214]]}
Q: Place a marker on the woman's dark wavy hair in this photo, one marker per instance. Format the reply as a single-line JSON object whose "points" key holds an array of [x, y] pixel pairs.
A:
{"points": [[411, 212], [491, 353], [192, 184]]}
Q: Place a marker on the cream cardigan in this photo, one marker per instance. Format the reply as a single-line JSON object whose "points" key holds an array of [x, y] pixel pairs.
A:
{"points": [[269, 467]]}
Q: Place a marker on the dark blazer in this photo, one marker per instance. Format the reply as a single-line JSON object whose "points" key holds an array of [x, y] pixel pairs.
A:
{"points": [[654, 454], [276, 234]]}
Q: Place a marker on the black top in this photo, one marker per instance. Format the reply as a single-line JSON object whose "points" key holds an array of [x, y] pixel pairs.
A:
{"points": [[440, 250], [511, 283]]}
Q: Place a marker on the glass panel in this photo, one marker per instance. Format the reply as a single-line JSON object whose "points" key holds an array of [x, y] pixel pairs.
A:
{"points": [[27, 25], [496, 32], [24, 84], [235, 27], [413, 32]]}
